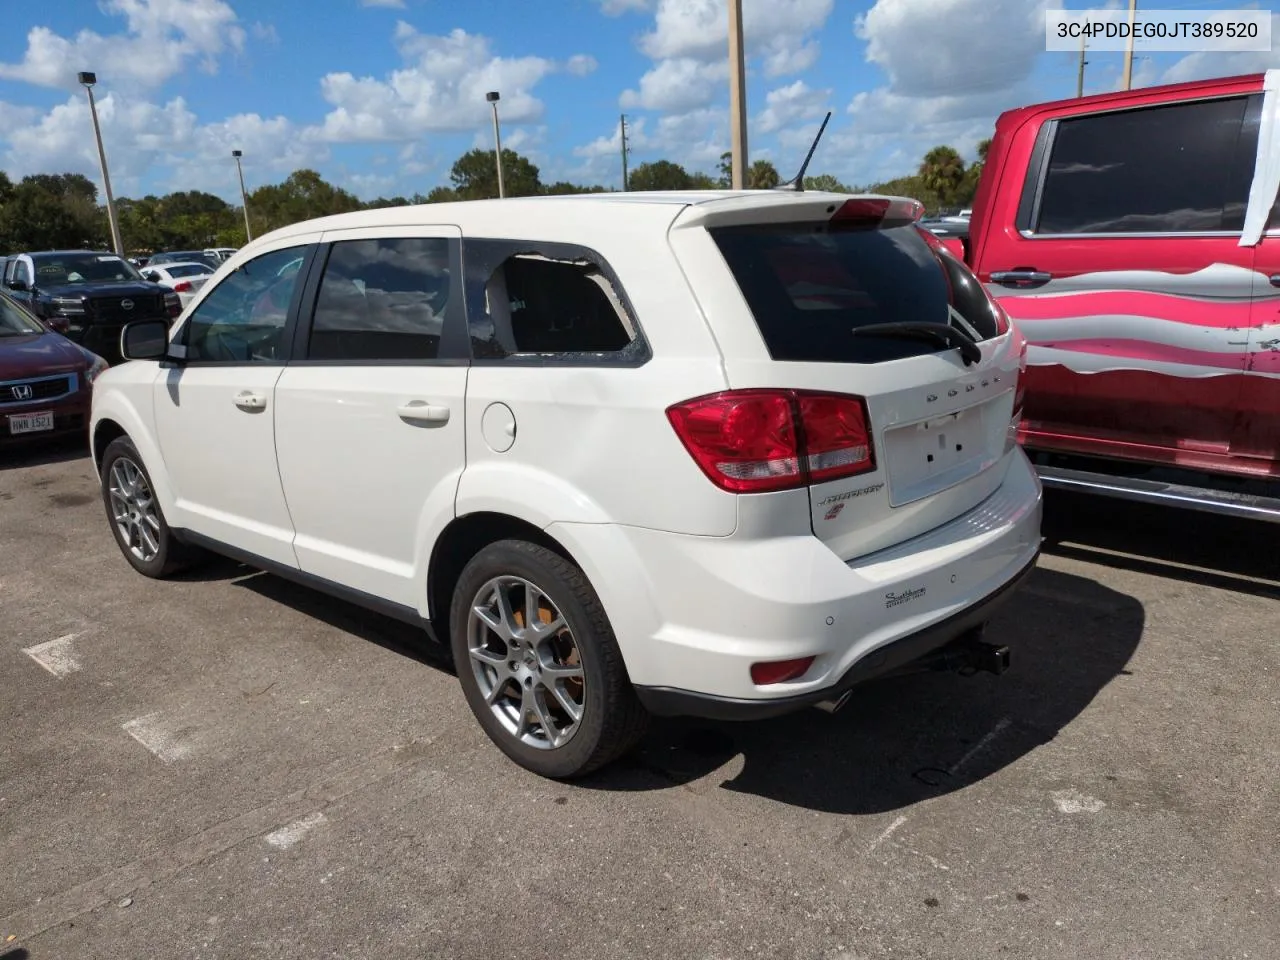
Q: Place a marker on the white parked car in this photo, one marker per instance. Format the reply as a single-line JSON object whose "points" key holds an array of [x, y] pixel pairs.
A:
{"points": [[717, 454], [184, 279]]}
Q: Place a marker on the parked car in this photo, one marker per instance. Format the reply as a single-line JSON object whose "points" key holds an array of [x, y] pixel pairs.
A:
{"points": [[211, 260], [184, 279], [222, 253], [1133, 237], [86, 295], [45, 379], [712, 454]]}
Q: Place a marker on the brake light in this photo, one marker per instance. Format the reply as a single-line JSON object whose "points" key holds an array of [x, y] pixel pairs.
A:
{"points": [[182, 286], [779, 671], [877, 212], [755, 441], [172, 304]]}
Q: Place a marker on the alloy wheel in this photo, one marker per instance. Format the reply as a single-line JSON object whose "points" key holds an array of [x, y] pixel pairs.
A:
{"points": [[526, 662]]}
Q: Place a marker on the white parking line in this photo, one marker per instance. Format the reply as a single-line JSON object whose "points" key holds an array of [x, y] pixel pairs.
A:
{"points": [[886, 833], [57, 656], [167, 745], [981, 745], [291, 833]]}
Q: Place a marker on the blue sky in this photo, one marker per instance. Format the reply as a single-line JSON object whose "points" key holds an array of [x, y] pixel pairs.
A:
{"points": [[382, 95]]}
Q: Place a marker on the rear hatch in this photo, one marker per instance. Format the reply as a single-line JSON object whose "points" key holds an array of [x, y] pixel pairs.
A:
{"points": [[865, 317]]}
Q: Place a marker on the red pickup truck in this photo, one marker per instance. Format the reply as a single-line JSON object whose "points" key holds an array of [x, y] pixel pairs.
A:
{"points": [[1110, 229]]}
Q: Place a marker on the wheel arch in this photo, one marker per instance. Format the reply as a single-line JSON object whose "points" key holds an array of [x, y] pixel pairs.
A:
{"points": [[115, 416], [460, 540]]}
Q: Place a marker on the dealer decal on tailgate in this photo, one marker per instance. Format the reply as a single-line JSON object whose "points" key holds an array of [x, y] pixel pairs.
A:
{"points": [[898, 599]]}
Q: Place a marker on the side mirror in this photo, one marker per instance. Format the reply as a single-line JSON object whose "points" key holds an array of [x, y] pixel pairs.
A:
{"points": [[145, 340], [19, 285]]}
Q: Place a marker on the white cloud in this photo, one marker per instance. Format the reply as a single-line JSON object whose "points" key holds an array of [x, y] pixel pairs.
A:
{"points": [[678, 84], [1204, 64], [160, 37], [441, 88], [581, 64], [265, 32], [777, 31], [948, 47], [786, 105], [615, 8]]}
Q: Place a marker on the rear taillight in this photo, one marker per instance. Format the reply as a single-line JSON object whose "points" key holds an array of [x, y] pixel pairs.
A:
{"points": [[755, 441], [183, 286], [172, 304]]}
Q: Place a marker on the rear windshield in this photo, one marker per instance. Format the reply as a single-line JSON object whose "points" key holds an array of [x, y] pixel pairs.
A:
{"points": [[188, 270], [808, 287]]}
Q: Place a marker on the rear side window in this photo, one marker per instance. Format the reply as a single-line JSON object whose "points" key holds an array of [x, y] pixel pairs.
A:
{"points": [[550, 301], [808, 288], [1183, 168]]}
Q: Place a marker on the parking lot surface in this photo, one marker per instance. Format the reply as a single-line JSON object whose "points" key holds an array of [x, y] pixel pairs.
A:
{"points": [[231, 766]]}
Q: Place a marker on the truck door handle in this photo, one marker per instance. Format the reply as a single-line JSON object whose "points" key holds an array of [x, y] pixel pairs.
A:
{"points": [[421, 412], [1024, 277], [1275, 279], [251, 402]]}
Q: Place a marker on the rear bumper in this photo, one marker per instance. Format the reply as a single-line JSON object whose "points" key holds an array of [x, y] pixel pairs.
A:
{"points": [[692, 614], [670, 702]]}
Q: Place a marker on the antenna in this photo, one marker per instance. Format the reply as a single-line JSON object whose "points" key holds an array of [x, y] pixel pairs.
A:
{"points": [[797, 183]]}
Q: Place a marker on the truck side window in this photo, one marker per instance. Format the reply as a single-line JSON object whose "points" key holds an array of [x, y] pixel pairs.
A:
{"points": [[1181, 168]]}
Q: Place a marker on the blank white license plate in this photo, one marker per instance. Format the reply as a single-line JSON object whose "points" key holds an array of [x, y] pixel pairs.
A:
{"points": [[31, 422]]}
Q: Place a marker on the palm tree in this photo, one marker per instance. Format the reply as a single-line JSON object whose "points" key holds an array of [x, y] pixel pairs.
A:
{"points": [[942, 171]]}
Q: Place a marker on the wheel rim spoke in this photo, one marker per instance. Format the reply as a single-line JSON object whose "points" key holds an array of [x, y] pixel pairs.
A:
{"points": [[525, 661]]}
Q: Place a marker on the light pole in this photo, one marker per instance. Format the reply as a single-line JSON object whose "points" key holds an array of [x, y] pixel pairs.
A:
{"points": [[244, 200], [88, 79], [737, 98], [492, 97], [1128, 51]]}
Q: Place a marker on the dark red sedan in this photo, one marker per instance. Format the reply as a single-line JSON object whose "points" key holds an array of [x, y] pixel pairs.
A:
{"points": [[45, 379]]}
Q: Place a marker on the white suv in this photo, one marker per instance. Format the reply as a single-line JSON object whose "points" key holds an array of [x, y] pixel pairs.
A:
{"points": [[716, 454]]}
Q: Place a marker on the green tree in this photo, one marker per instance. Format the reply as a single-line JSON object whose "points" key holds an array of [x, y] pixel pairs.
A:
{"points": [[984, 148], [942, 171], [665, 175], [51, 211], [762, 175], [442, 195], [475, 176], [825, 182], [724, 166], [303, 195], [563, 187]]}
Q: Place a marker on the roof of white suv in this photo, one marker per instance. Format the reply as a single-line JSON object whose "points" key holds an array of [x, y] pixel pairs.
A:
{"points": [[514, 216]]}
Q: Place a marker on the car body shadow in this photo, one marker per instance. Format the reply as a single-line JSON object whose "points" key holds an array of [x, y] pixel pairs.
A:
{"points": [[1205, 549], [43, 452], [405, 639], [907, 739]]}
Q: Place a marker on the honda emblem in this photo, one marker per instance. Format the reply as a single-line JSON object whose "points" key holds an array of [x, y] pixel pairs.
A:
{"points": [[21, 392]]}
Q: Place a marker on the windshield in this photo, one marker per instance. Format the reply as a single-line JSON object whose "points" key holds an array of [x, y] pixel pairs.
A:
{"points": [[16, 322], [63, 268]]}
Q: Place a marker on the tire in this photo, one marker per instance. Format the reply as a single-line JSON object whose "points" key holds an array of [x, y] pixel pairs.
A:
{"points": [[548, 672], [120, 462]]}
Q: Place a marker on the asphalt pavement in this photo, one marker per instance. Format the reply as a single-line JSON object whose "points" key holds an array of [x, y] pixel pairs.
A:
{"points": [[231, 766]]}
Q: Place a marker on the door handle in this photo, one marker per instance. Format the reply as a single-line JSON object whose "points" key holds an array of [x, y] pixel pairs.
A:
{"points": [[421, 412], [251, 402], [1275, 279], [1023, 277]]}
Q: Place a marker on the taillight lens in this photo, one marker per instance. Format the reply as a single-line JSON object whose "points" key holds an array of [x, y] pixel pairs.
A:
{"points": [[182, 286], [755, 441], [173, 304], [780, 671]]}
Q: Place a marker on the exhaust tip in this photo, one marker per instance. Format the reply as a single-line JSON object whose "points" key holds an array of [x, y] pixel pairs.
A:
{"points": [[831, 706]]}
